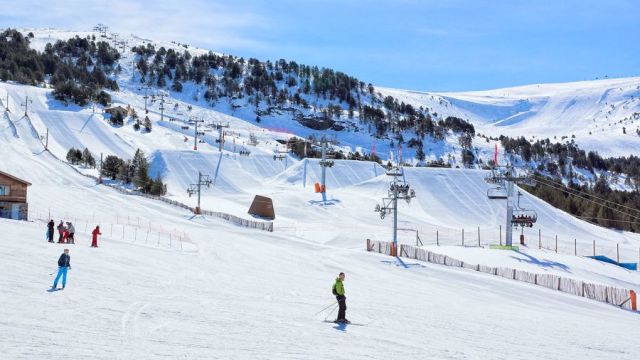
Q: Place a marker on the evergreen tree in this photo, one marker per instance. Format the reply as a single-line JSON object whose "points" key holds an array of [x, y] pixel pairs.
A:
{"points": [[74, 156], [111, 166], [88, 159]]}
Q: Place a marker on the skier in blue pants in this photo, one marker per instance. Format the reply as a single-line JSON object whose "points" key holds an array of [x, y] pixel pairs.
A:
{"points": [[64, 263]]}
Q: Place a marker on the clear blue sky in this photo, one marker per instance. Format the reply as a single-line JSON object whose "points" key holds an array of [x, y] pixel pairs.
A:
{"points": [[443, 45]]}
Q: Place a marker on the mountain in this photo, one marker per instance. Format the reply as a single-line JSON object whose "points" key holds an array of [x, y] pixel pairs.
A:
{"points": [[166, 282]]}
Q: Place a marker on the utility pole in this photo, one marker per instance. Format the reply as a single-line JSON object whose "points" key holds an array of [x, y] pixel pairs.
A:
{"points": [[162, 102], [220, 127], [324, 141], [195, 121], [197, 188], [524, 219], [146, 96], [398, 189], [26, 104]]}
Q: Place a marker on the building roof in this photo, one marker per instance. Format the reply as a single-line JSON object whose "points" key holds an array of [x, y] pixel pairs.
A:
{"points": [[2, 173]]}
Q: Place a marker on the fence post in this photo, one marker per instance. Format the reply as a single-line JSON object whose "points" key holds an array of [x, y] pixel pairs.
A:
{"points": [[500, 236], [556, 243], [135, 235], [437, 239], [575, 247], [122, 232], [594, 248], [478, 236], [462, 236], [618, 253], [539, 239]]}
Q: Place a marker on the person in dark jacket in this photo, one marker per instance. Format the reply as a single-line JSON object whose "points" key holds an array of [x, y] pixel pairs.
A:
{"points": [[338, 291], [64, 263], [50, 226], [60, 231]]}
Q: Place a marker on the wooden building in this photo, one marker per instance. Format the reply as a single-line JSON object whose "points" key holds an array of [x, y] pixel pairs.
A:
{"points": [[13, 197]]}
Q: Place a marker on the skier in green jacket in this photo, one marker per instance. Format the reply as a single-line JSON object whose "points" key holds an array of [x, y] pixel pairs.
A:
{"points": [[338, 291]]}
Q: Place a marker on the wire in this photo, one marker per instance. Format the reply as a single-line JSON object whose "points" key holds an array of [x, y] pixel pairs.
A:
{"points": [[594, 196], [564, 190]]}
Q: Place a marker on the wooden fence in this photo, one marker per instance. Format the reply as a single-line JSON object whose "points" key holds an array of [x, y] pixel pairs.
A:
{"points": [[623, 298]]}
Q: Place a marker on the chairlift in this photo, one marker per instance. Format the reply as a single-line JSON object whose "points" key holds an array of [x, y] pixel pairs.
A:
{"points": [[497, 193], [523, 217]]}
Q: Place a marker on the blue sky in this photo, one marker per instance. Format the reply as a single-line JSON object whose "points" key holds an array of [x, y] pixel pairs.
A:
{"points": [[450, 45]]}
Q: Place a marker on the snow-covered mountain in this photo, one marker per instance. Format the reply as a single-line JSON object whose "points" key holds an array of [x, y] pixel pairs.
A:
{"points": [[601, 115], [166, 283]]}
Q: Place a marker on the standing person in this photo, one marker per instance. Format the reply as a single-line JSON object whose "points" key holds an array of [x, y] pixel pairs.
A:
{"points": [[338, 291], [64, 263], [65, 234], [72, 231], [60, 231], [50, 225], [95, 233]]}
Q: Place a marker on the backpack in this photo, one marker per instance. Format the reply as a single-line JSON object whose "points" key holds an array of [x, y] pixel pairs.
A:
{"points": [[333, 290]]}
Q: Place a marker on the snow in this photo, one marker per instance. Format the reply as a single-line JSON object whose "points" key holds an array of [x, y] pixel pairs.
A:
{"points": [[198, 287], [594, 111]]}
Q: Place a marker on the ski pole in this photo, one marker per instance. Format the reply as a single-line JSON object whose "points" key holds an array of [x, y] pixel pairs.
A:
{"points": [[333, 309], [325, 308]]}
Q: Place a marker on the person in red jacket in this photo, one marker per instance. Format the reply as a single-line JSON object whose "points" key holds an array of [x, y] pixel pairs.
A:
{"points": [[95, 233]]}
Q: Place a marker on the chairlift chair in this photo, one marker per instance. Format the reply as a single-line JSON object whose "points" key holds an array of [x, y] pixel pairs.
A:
{"points": [[524, 218], [497, 193]]}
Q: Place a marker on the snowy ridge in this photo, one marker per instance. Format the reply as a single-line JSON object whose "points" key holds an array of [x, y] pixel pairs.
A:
{"points": [[594, 111]]}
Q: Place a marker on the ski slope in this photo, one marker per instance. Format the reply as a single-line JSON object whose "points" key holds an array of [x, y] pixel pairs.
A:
{"points": [[231, 292]]}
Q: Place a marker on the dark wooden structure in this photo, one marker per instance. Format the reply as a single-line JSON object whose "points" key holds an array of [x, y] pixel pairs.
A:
{"points": [[262, 206], [13, 197]]}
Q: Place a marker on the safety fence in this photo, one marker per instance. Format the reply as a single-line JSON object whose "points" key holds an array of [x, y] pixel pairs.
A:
{"points": [[137, 230], [623, 298], [532, 238], [252, 224]]}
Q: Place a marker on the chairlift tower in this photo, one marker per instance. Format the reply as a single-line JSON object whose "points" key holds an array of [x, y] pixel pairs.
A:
{"points": [[197, 188], [195, 121], [146, 96], [220, 126], [399, 189], [525, 217], [162, 102], [324, 140]]}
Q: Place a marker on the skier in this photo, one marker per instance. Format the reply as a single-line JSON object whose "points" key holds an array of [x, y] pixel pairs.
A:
{"points": [[72, 231], [64, 263], [95, 233], [50, 225], [338, 291], [60, 231]]}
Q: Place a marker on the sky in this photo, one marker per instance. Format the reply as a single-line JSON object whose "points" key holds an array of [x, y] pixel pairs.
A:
{"points": [[428, 45]]}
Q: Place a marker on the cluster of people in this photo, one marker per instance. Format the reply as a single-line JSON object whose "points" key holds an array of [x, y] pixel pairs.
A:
{"points": [[523, 220], [66, 233]]}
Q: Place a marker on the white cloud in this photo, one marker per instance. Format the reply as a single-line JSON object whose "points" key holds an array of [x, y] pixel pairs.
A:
{"points": [[210, 24]]}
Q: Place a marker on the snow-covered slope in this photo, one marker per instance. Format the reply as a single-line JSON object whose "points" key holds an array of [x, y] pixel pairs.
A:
{"points": [[594, 111], [221, 291]]}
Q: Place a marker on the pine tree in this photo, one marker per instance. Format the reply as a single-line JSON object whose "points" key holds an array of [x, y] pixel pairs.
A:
{"points": [[88, 159], [111, 166], [140, 169]]}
